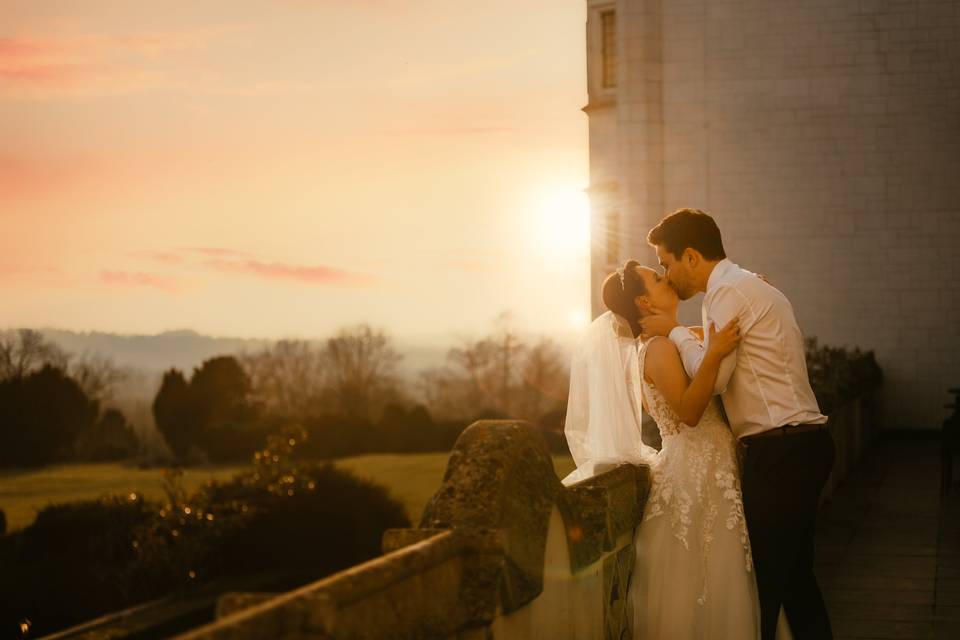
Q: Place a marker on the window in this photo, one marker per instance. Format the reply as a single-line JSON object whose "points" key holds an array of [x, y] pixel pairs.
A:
{"points": [[613, 237], [608, 30]]}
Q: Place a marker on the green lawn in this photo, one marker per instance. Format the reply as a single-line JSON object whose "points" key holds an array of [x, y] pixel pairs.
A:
{"points": [[23, 493], [412, 478]]}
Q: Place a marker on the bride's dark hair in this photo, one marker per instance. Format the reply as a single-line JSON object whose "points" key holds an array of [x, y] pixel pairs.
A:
{"points": [[619, 290]]}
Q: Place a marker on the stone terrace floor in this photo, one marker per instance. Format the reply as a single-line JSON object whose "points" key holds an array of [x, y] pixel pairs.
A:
{"points": [[888, 554]]}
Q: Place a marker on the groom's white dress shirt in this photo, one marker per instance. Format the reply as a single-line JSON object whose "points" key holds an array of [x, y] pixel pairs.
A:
{"points": [[764, 383]]}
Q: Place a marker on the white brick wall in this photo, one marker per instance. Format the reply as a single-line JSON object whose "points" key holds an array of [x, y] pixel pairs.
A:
{"points": [[824, 137]]}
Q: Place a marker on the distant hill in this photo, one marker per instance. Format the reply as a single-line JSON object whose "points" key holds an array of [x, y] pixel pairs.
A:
{"points": [[183, 349], [186, 349]]}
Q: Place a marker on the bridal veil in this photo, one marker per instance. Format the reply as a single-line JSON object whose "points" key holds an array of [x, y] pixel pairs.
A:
{"points": [[604, 407]]}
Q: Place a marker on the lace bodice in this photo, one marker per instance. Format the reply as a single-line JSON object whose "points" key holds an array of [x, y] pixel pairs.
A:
{"points": [[660, 410], [696, 478]]}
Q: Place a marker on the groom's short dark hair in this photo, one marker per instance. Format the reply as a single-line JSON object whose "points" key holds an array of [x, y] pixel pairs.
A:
{"points": [[688, 228]]}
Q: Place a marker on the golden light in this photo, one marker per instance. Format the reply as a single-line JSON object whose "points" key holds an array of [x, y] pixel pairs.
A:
{"points": [[578, 318], [559, 226]]}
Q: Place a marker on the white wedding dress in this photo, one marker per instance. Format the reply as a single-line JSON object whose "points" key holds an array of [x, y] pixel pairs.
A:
{"points": [[693, 575]]}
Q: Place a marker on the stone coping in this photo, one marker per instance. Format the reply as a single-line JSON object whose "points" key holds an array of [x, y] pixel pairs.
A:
{"points": [[244, 615]]}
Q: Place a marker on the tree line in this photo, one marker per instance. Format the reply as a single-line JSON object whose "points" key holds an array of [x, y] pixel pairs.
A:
{"points": [[346, 391]]}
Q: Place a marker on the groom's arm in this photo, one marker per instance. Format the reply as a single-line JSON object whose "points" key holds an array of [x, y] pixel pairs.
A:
{"points": [[725, 304]]}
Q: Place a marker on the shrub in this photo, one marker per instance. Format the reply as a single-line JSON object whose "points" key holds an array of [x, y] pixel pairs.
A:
{"points": [[80, 560], [75, 561], [838, 374]]}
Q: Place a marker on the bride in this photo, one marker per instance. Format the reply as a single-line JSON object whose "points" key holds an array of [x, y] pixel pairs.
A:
{"points": [[693, 573]]}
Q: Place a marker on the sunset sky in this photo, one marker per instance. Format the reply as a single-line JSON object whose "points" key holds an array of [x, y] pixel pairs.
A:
{"points": [[281, 169]]}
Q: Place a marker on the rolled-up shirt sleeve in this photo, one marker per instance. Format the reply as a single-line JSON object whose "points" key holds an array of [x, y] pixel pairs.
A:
{"points": [[690, 348], [724, 303]]}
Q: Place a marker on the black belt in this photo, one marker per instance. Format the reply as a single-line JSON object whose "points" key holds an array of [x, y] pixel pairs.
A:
{"points": [[785, 430]]}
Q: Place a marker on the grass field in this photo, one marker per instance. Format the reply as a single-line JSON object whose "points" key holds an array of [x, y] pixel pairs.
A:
{"points": [[412, 478], [23, 493]]}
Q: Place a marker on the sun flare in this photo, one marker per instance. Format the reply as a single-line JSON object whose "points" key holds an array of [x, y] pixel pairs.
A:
{"points": [[578, 318], [560, 223]]}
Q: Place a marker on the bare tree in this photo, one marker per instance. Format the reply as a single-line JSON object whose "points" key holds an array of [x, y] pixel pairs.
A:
{"points": [[546, 379], [472, 367], [97, 375], [443, 391], [502, 372], [360, 365], [288, 378], [507, 350], [26, 350]]}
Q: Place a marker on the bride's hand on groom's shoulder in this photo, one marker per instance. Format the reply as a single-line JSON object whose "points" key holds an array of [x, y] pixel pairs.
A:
{"points": [[657, 324], [726, 340]]}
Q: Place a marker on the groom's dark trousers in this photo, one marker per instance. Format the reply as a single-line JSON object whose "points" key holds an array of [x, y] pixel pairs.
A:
{"points": [[783, 474]]}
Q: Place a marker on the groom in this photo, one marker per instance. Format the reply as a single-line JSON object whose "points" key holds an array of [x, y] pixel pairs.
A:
{"points": [[788, 452]]}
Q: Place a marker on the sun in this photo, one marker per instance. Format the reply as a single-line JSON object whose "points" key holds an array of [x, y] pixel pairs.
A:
{"points": [[578, 318], [560, 223]]}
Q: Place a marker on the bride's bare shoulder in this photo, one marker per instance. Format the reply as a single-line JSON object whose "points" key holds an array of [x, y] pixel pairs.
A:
{"points": [[659, 346], [660, 354]]}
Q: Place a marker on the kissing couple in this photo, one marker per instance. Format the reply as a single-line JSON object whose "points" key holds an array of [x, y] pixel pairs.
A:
{"points": [[725, 547]]}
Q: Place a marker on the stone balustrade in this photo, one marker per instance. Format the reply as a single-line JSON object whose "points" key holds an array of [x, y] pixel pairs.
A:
{"points": [[503, 550]]}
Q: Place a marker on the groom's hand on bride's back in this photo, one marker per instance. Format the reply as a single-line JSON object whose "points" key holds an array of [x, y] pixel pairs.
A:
{"points": [[657, 324]]}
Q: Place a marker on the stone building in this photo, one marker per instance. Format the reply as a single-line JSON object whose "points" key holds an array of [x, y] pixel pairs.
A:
{"points": [[824, 137]]}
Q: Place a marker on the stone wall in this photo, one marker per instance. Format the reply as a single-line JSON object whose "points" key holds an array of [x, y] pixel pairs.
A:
{"points": [[824, 136]]}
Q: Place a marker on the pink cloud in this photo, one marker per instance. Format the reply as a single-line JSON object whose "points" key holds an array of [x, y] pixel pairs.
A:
{"points": [[7, 269], [34, 275], [318, 275], [94, 64], [27, 176], [31, 50], [236, 262], [139, 279], [218, 252], [163, 257], [28, 50], [452, 130], [18, 50], [43, 75]]}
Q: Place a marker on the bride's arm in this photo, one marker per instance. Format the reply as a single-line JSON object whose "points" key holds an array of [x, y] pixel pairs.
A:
{"points": [[665, 369]]}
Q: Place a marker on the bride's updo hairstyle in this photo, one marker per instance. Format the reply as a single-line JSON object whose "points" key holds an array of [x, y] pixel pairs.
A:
{"points": [[619, 290]]}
